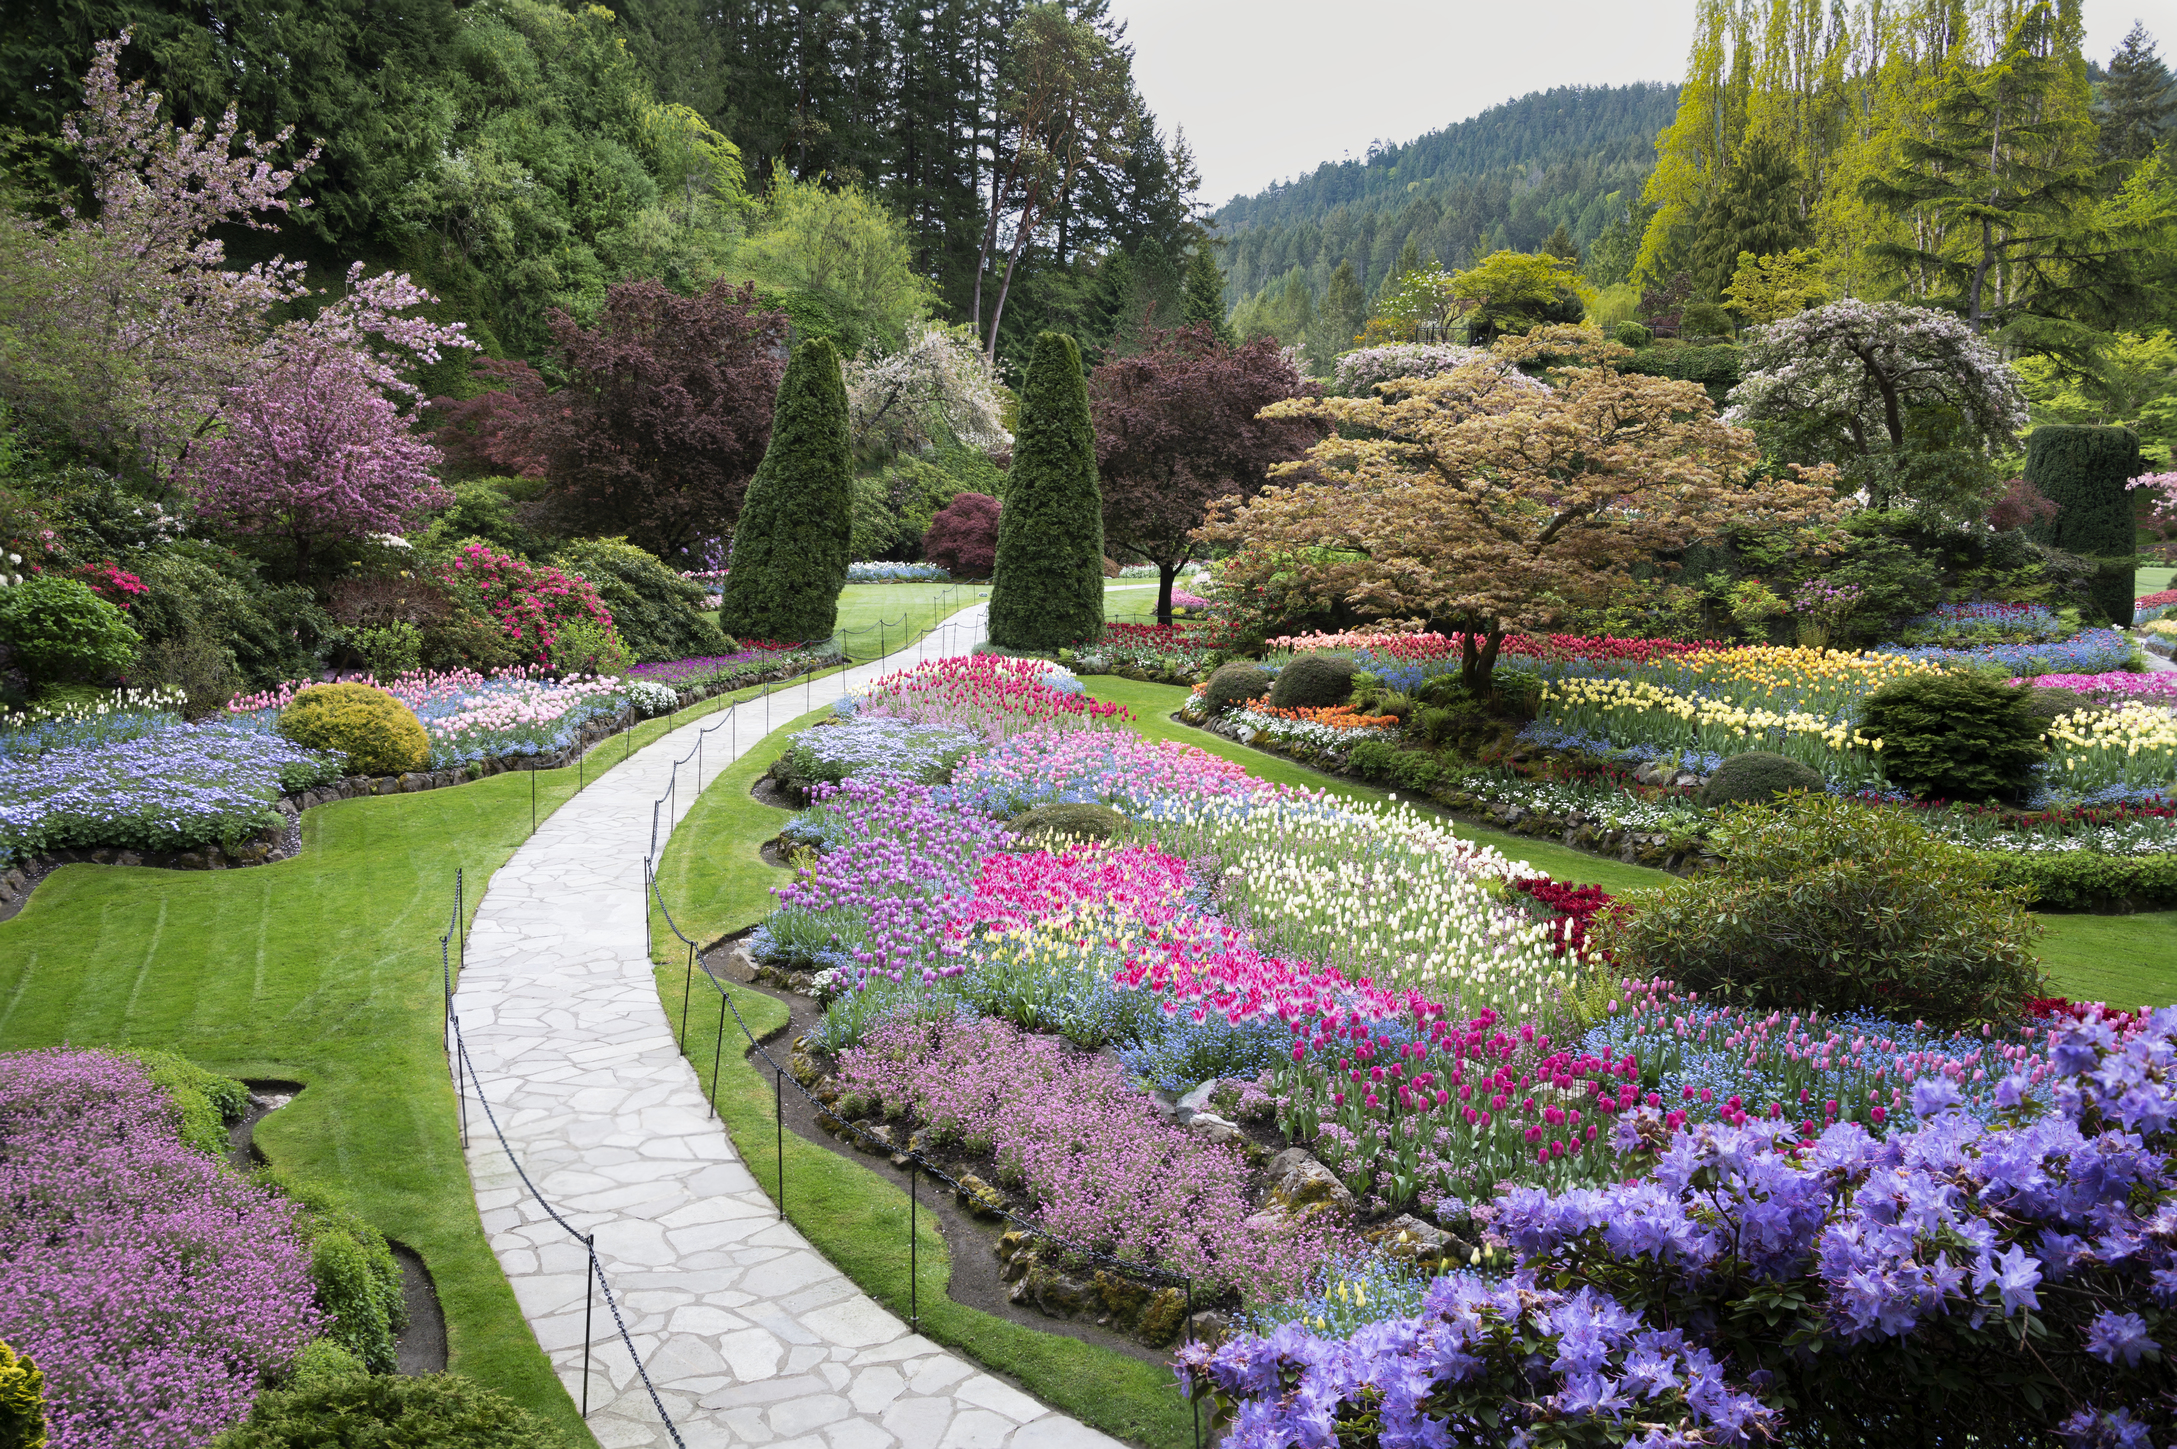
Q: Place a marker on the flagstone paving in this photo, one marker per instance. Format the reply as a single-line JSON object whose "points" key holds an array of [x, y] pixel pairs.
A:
{"points": [[750, 1336]]}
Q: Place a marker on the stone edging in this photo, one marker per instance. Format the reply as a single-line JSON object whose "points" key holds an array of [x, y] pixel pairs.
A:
{"points": [[280, 841]]}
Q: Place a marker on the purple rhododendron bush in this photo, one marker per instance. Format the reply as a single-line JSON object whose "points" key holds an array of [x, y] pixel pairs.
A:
{"points": [[156, 1289], [2004, 1283]]}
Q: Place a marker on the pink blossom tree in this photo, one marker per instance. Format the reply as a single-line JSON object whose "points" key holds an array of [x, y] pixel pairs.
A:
{"points": [[312, 452], [128, 327]]}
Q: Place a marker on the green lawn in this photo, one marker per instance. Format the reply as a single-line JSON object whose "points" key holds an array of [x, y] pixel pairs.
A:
{"points": [[716, 884], [2153, 581], [323, 969], [2123, 960]]}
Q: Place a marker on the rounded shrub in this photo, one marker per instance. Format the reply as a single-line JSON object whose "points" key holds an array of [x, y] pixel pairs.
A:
{"points": [[1954, 736], [382, 1411], [1632, 334], [1757, 777], [655, 611], [22, 1402], [376, 732], [2046, 706], [1825, 903], [60, 632], [1313, 681], [1372, 759], [1050, 824], [1235, 684]]}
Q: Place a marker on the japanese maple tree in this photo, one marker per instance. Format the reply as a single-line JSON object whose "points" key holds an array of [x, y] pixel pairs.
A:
{"points": [[1179, 425], [1482, 505], [665, 415]]}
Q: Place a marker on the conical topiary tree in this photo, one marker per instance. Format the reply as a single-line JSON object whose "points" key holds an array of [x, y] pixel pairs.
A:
{"points": [[1047, 587], [794, 540]]}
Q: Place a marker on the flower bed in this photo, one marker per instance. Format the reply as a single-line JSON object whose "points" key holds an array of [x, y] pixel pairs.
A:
{"points": [[1955, 625], [2149, 607], [1158, 650], [2113, 687], [2092, 651], [1000, 696], [155, 1289], [753, 665], [1329, 730], [881, 572], [471, 717]]}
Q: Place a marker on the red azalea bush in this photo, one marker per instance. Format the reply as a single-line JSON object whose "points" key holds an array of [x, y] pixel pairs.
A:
{"points": [[1576, 907], [963, 537], [531, 603], [115, 585]]}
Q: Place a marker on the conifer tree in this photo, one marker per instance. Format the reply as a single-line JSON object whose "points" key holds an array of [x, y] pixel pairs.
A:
{"points": [[1205, 296], [795, 537], [1345, 307], [2137, 102], [1756, 210], [1047, 587]]}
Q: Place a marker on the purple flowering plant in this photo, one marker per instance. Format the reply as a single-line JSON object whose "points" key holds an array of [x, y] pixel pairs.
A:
{"points": [[2003, 1282], [156, 1289]]}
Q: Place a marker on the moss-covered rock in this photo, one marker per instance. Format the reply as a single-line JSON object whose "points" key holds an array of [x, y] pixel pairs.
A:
{"points": [[1757, 777], [1313, 681]]}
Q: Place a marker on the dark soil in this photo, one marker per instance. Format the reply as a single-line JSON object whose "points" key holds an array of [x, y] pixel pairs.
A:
{"points": [[976, 1278], [420, 1348]]}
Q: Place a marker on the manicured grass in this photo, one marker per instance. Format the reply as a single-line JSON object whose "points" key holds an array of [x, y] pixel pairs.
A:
{"points": [[323, 969], [712, 877], [1152, 706], [874, 614], [2127, 961], [2153, 581]]}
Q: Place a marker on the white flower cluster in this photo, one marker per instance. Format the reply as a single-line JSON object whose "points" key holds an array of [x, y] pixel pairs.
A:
{"points": [[650, 697]]}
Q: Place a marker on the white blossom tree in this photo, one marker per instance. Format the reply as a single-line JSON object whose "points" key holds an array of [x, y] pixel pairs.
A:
{"points": [[1908, 401], [937, 389]]}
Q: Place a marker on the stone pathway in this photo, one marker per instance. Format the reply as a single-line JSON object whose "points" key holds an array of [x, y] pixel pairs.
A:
{"points": [[751, 1336]]}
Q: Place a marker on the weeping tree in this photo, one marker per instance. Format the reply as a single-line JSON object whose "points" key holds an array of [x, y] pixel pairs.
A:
{"points": [[796, 533], [1047, 586]]}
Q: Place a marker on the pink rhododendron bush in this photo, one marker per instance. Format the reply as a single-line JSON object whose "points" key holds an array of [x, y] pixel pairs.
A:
{"points": [[155, 1288]]}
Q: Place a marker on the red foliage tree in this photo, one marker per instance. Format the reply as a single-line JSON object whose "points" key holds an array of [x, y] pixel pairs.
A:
{"points": [[665, 415], [963, 537], [1177, 429]]}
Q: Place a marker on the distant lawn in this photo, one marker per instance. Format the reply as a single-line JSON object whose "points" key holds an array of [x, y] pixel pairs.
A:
{"points": [[2153, 581], [2126, 961], [323, 969]]}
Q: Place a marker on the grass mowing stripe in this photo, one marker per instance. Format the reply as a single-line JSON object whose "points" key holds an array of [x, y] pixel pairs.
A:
{"points": [[716, 883]]}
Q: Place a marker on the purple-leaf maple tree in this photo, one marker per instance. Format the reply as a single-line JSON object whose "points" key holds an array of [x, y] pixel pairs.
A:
{"points": [[1177, 429], [313, 452], [963, 537], [665, 415]]}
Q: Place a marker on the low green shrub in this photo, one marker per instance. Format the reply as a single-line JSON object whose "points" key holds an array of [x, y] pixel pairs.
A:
{"points": [[205, 1101], [1235, 684], [1632, 334], [377, 733], [655, 611], [1050, 824], [385, 1411], [584, 646], [2083, 880], [352, 1270], [2046, 706], [1954, 736], [1757, 777], [1313, 681], [321, 1364], [1373, 759], [1415, 771], [391, 650], [1824, 903], [59, 631], [22, 1402]]}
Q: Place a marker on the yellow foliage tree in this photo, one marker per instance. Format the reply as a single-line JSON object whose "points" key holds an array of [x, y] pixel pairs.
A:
{"points": [[1781, 284], [1484, 502]]}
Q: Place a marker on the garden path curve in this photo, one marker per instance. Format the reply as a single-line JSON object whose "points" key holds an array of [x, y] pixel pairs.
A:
{"points": [[751, 1336]]}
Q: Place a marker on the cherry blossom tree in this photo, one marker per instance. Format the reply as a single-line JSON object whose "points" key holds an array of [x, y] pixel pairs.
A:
{"points": [[937, 389], [312, 452], [129, 329]]}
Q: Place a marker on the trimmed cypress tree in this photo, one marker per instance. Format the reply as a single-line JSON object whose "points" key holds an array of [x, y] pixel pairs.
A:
{"points": [[1047, 588], [2083, 470], [795, 536]]}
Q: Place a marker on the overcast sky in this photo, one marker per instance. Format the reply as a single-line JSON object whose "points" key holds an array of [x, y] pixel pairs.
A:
{"points": [[1269, 89]]}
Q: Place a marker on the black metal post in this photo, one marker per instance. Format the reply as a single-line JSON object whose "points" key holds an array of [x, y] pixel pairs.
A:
{"points": [[914, 1301], [778, 1114], [718, 1049], [532, 794], [589, 1292], [699, 764], [687, 991]]}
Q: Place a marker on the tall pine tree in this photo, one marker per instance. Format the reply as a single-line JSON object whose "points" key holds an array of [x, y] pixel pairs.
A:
{"points": [[1756, 210], [1205, 295], [796, 532], [1047, 587], [2137, 101]]}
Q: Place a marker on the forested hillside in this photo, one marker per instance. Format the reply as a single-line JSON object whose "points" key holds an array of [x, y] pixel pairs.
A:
{"points": [[1576, 156]]}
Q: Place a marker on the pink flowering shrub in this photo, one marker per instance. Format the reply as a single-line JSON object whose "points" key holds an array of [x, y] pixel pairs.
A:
{"points": [[153, 1286], [530, 602], [1068, 1130]]}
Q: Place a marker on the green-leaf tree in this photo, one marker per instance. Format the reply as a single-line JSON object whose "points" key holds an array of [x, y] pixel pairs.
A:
{"points": [[1754, 209], [2138, 101], [1047, 586], [795, 538]]}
